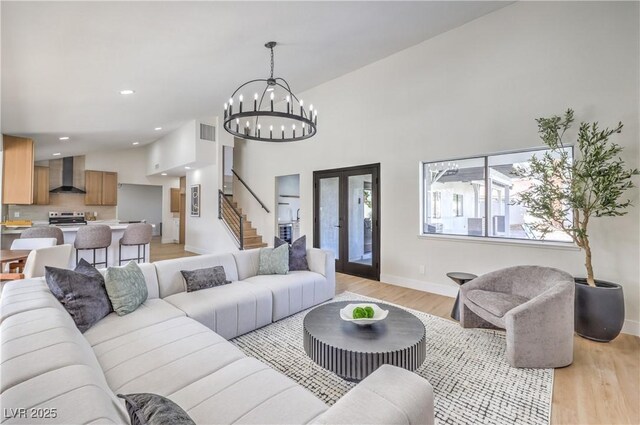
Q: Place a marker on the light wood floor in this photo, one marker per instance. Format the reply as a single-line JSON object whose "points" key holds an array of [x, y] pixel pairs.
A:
{"points": [[602, 386], [166, 251]]}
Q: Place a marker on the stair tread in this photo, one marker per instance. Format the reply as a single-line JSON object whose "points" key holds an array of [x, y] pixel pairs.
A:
{"points": [[250, 234]]}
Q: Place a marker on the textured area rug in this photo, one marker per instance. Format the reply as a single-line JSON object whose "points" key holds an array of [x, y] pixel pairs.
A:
{"points": [[472, 381]]}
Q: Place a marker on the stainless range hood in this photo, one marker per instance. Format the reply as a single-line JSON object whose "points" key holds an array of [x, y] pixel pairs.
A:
{"points": [[67, 178]]}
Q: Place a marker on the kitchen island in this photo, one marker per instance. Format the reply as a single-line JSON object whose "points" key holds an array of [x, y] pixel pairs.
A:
{"points": [[69, 232]]}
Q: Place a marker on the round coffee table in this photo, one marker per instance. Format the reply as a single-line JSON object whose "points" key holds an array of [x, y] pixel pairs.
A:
{"points": [[353, 352]]}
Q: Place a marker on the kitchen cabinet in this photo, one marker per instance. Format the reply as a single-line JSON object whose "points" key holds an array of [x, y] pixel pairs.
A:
{"points": [[41, 185], [101, 188], [109, 188], [175, 200], [17, 170]]}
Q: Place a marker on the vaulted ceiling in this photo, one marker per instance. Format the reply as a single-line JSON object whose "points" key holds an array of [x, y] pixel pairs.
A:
{"points": [[64, 63]]}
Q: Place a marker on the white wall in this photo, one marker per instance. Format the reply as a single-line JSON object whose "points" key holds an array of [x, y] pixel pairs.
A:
{"points": [[474, 90], [173, 150], [131, 167], [206, 234], [141, 202]]}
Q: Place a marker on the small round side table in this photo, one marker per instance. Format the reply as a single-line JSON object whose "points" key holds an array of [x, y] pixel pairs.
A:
{"points": [[460, 278]]}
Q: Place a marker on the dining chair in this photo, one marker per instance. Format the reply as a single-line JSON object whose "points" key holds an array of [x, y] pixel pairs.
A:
{"points": [[27, 244]]}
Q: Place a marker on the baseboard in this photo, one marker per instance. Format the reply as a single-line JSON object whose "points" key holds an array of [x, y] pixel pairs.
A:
{"points": [[168, 240], [421, 285], [631, 327], [196, 250]]}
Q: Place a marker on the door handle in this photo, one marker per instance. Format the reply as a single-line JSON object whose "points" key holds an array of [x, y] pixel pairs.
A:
{"points": [[337, 226]]}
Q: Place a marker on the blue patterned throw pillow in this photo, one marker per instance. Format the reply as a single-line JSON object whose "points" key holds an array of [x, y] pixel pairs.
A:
{"points": [[126, 288], [274, 260], [153, 409]]}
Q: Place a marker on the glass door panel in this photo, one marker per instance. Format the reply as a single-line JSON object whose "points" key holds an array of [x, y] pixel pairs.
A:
{"points": [[346, 218], [329, 214], [360, 211]]}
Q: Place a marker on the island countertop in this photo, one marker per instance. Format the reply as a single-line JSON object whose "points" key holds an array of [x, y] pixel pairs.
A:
{"points": [[112, 254], [114, 225]]}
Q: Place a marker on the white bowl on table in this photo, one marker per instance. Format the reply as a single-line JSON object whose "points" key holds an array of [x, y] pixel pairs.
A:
{"points": [[379, 314]]}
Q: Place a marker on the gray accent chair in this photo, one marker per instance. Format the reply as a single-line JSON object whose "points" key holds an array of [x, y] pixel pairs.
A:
{"points": [[44, 232], [136, 234], [533, 304]]}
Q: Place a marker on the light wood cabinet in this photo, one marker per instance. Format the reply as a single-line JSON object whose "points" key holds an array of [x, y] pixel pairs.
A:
{"points": [[101, 187], [41, 185], [175, 200], [109, 188], [17, 171]]}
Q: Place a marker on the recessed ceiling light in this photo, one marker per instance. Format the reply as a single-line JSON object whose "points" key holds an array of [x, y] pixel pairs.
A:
{"points": [[187, 168], [163, 174], [127, 91], [135, 143], [158, 128], [64, 138], [57, 154]]}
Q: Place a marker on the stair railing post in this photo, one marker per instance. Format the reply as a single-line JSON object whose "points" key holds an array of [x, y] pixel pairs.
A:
{"points": [[241, 233], [220, 200]]}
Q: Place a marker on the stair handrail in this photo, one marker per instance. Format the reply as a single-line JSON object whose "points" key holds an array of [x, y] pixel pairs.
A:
{"points": [[264, 207], [222, 198]]}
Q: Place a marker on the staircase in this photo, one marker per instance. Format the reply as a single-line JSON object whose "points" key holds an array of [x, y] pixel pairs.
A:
{"points": [[246, 235]]}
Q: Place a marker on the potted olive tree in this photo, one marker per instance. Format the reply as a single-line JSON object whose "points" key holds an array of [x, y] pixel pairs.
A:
{"points": [[566, 195]]}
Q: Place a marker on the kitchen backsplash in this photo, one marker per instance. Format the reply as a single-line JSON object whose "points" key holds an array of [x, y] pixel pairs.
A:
{"points": [[59, 202]]}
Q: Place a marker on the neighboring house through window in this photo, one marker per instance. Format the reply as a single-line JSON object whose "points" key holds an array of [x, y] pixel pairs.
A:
{"points": [[478, 197]]}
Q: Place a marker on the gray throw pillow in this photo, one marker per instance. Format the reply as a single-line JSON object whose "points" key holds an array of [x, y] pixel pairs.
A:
{"points": [[297, 252], [126, 288], [153, 409], [204, 278], [81, 293], [274, 260]]}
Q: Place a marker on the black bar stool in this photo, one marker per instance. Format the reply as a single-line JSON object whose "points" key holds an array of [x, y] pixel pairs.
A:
{"points": [[136, 234], [93, 237]]}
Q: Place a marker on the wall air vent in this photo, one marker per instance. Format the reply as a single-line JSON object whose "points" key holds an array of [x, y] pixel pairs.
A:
{"points": [[207, 132]]}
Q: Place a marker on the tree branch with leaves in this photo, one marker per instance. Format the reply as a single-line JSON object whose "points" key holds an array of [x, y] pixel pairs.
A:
{"points": [[567, 193]]}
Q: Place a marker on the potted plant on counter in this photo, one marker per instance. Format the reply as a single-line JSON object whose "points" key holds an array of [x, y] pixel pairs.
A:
{"points": [[567, 194]]}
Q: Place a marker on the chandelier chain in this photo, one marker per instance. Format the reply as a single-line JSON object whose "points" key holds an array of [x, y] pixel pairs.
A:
{"points": [[272, 62]]}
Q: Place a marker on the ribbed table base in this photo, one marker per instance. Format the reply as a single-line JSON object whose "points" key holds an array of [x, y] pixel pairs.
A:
{"points": [[355, 366]]}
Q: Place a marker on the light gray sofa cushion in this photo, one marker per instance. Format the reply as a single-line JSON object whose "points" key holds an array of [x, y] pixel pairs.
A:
{"points": [[164, 358], [229, 310], [21, 296], [46, 362], [73, 391], [247, 262], [293, 292], [248, 392], [149, 313], [170, 279], [390, 395]]}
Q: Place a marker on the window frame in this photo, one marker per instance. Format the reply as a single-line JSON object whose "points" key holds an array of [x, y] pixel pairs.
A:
{"points": [[487, 207]]}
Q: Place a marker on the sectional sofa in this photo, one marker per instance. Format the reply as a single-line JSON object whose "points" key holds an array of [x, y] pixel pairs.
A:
{"points": [[175, 345]]}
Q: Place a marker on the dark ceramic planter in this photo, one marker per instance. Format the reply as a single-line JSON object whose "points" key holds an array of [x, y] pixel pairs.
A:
{"points": [[599, 310]]}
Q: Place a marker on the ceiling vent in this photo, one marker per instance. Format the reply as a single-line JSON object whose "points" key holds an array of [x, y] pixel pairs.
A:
{"points": [[207, 132]]}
